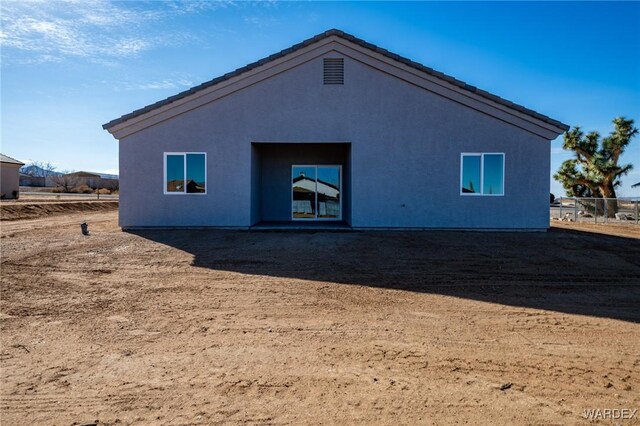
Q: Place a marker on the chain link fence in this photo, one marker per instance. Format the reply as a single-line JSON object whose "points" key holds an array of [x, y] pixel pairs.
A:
{"points": [[596, 210], [49, 196]]}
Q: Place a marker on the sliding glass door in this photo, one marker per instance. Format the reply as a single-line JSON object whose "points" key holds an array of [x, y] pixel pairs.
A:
{"points": [[303, 204], [315, 192]]}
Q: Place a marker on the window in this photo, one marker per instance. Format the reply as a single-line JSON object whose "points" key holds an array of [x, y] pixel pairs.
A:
{"points": [[482, 174], [185, 173]]}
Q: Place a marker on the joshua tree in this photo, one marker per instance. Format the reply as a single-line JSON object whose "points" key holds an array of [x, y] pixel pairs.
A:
{"points": [[594, 172]]}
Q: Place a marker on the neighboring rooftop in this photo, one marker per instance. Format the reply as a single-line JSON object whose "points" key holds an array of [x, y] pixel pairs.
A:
{"points": [[360, 42], [7, 159], [84, 173]]}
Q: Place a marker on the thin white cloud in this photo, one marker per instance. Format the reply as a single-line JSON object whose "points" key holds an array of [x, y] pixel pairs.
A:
{"points": [[129, 46], [193, 6], [261, 21], [163, 84], [177, 81], [96, 30]]}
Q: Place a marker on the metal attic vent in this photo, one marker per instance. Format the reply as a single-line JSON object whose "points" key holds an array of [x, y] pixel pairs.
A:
{"points": [[333, 70]]}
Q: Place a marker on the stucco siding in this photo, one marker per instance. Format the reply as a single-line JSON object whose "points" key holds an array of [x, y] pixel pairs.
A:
{"points": [[10, 180], [404, 162]]}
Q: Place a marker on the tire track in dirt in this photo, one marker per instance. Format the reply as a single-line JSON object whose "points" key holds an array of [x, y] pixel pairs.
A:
{"points": [[15, 211], [51, 403]]}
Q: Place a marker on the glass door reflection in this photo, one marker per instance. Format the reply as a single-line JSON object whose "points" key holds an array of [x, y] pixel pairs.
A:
{"points": [[316, 192], [328, 192], [304, 192]]}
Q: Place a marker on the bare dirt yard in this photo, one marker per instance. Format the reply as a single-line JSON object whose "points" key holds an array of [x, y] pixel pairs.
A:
{"points": [[212, 327], [618, 229]]}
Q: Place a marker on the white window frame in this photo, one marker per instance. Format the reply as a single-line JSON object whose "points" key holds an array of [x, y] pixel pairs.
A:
{"points": [[184, 157], [316, 219], [481, 155]]}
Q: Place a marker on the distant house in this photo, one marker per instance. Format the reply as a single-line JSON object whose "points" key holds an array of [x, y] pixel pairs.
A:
{"points": [[9, 177], [90, 179], [335, 128]]}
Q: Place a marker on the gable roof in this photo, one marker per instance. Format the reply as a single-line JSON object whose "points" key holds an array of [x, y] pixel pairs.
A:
{"points": [[82, 173], [7, 159], [362, 43]]}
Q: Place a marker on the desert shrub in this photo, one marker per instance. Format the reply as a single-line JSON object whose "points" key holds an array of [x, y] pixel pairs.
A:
{"points": [[103, 191], [57, 190], [82, 189]]}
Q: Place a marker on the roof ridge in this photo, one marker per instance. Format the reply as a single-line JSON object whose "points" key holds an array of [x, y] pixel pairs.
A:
{"points": [[339, 33]]}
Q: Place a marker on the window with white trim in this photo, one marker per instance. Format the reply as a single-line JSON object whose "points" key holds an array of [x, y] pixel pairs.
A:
{"points": [[185, 173], [482, 174]]}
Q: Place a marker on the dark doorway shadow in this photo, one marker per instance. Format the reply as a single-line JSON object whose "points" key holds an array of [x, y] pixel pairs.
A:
{"points": [[564, 271]]}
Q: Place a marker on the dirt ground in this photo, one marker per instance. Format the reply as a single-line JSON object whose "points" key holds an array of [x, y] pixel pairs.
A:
{"points": [[32, 209], [629, 230], [212, 327]]}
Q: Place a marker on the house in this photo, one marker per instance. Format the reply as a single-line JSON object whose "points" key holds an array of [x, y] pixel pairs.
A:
{"points": [[9, 177], [91, 179], [335, 128]]}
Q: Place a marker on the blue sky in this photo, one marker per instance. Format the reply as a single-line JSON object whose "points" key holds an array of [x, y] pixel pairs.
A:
{"points": [[69, 67]]}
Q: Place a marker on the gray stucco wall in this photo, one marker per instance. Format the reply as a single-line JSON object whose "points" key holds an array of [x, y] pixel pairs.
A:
{"points": [[404, 168], [9, 179]]}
